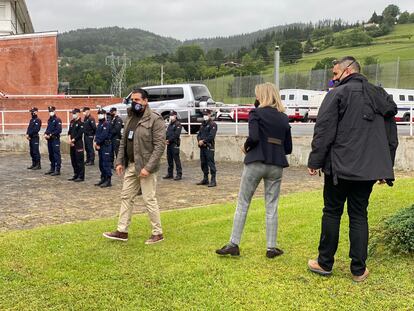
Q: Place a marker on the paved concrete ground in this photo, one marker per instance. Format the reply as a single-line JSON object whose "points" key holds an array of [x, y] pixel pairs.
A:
{"points": [[30, 198]]}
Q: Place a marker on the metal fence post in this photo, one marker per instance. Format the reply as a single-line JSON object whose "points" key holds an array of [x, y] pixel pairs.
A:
{"points": [[2, 122], [237, 121], [411, 120], [189, 121]]}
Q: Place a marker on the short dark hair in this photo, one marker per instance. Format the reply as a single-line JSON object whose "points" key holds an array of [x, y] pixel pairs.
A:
{"points": [[144, 93], [348, 61]]}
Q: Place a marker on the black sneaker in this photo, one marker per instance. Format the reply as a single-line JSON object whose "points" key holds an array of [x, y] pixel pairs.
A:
{"points": [[57, 173], [178, 177], [273, 252], [229, 250], [203, 182], [168, 177], [49, 172], [79, 179], [72, 179]]}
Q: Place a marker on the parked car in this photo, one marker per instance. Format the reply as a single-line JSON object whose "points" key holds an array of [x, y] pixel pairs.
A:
{"points": [[296, 102], [232, 113], [187, 99]]}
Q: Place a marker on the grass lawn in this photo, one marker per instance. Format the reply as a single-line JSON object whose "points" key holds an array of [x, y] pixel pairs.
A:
{"points": [[72, 267]]}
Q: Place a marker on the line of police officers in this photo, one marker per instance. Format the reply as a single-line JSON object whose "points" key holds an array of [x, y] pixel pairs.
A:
{"points": [[84, 136]]}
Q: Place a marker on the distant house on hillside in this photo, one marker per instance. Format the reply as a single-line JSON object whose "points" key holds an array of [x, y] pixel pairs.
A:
{"points": [[232, 64], [371, 25]]}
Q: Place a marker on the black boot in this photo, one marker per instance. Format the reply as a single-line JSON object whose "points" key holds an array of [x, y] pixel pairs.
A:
{"points": [[37, 166], [31, 166], [101, 181], [73, 178], [204, 181], [55, 173], [178, 177], [168, 176], [213, 181], [107, 182], [49, 172]]}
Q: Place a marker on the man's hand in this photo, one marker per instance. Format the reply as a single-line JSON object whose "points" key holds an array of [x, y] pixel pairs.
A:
{"points": [[120, 169], [312, 171], [27, 137], [97, 147], [144, 173], [167, 142], [382, 182], [201, 142]]}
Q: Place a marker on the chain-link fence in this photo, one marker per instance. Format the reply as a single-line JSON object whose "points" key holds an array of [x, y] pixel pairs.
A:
{"points": [[240, 89]]}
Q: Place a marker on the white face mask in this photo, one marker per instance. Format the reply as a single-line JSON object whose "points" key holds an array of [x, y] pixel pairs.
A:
{"points": [[75, 116], [206, 118], [101, 116], [173, 118], [52, 113]]}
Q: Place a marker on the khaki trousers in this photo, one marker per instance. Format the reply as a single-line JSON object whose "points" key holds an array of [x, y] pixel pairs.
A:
{"points": [[131, 185]]}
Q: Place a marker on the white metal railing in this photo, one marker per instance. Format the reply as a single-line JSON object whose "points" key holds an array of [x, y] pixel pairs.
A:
{"points": [[234, 122]]}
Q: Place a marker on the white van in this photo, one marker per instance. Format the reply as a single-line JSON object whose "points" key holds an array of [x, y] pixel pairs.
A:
{"points": [[297, 102], [404, 98], [187, 99], [314, 106]]}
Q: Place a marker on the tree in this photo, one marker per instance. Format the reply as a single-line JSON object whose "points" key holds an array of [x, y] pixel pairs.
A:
{"points": [[374, 18], [326, 62], [353, 38], [390, 14], [370, 60], [411, 20], [404, 18], [308, 46], [291, 51]]}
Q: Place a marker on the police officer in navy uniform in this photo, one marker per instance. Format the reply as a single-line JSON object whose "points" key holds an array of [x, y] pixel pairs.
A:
{"points": [[103, 144], [173, 147], [75, 135], [89, 130], [52, 135], [206, 143], [32, 136], [116, 133]]}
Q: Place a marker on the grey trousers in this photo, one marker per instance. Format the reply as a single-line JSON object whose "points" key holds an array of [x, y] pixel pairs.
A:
{"points": [[253, 173]]}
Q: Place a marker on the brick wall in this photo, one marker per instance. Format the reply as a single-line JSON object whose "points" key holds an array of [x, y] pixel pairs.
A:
{"points": [[28, 64]]}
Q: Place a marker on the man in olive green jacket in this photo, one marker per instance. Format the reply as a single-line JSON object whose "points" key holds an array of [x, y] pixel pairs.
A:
{"points": [[140, 151]]}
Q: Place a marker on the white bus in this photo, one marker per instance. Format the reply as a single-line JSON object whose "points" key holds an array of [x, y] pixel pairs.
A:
{"points": [[297, 103]]}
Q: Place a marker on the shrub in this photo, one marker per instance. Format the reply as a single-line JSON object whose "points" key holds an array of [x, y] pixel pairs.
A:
{"points": [[395, 234]]}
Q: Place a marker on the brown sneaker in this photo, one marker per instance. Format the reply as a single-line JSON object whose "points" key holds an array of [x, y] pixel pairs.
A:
{"points": [[361, 278], [154, 239], [116, 235], [314, 266]]}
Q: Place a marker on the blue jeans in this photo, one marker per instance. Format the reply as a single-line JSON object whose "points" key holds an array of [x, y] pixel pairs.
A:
{"points": [[253, 173]]}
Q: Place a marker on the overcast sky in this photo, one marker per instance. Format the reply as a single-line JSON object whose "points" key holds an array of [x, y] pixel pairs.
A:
{"points": [[188, 19]]}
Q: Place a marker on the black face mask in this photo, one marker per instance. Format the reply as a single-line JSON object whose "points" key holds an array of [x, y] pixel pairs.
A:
{"points": [[137, 108], [256, 103]]}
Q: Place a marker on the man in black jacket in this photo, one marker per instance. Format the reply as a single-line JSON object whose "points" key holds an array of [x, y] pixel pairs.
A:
{"points": [[173, 147], [354, 143], [89, 128], [75, 134], [116, 133], [32, 135], [206, 142]]}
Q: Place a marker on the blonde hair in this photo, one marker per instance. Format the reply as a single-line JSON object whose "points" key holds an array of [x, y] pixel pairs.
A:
{"points": [[268, 96]]}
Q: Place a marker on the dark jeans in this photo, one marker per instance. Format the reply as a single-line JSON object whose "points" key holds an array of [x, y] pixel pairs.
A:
{"points": [[77, 160], [34, 150], [53, 146], [173, 155], [356, 193], [105, 160], [90, 152], [207, 161]]}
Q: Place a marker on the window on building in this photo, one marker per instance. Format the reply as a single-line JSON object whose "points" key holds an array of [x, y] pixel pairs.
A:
{"points": [[291, 97], [411, 98], [283, 97], [402, 98], [305, 97]]}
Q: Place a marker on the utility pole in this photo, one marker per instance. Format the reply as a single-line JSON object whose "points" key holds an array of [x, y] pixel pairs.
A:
{"points": [[277, 66], [118, 76], [162, 74], [397, 75]]}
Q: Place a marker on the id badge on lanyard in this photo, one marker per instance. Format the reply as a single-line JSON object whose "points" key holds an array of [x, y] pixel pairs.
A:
{"points": [[130, 135]]}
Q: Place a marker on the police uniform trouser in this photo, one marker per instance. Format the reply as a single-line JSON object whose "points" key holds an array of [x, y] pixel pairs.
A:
{"points": [[77, 160], [34, 150], [105, 160], [115, 148], [207, 161], [90, 152], [173, 155], [53, 146]]}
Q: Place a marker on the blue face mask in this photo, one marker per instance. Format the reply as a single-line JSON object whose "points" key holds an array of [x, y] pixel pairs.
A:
{"points": [[137, 107]]}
